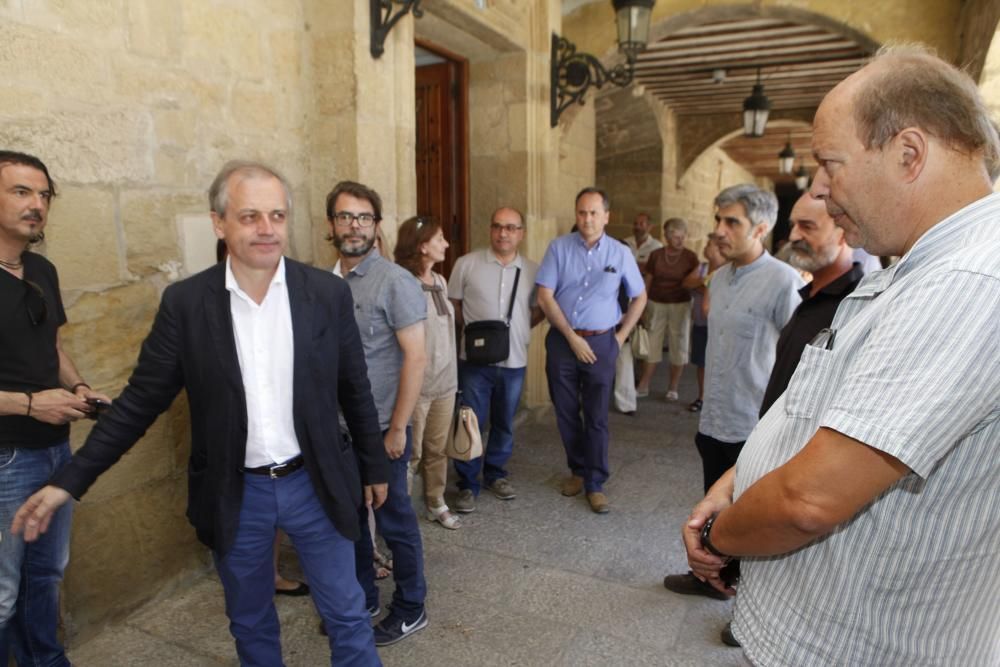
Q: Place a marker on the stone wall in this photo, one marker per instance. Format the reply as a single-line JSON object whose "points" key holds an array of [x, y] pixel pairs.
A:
{"points": [[134, 107], [629, 157], [576, 160], [692, 197]]}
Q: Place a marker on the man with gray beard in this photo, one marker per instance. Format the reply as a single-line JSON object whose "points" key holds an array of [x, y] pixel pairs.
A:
{"points": [[818, 246]]}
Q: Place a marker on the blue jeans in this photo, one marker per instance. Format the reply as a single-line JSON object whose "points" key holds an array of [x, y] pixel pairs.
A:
{"points": [[493, 393], [30, 573], [327, 559], [396, 522]]}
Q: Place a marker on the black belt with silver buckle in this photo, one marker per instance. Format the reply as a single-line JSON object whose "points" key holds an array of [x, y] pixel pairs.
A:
{"points": [[279, 470]]}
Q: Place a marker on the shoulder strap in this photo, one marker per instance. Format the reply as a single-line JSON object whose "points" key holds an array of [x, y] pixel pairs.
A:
{"points": [[513, 294]]}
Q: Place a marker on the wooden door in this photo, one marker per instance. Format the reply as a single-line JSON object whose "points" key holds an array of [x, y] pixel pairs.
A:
{"points": [[441, 153]]}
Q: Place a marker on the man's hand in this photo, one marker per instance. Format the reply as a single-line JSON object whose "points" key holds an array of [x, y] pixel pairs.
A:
{"points": [[621, 339], [395, 442], [34, 515], [58, 406], [85, 392], [581, 348], [704, 565], [375, 495]]}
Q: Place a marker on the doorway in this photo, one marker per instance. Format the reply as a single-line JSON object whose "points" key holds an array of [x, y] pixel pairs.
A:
{"points": [[442, 154]]}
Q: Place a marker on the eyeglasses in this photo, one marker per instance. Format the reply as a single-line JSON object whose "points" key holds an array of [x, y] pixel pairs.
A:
{"points": [[34, 299], [345, 218], [510, 229]]}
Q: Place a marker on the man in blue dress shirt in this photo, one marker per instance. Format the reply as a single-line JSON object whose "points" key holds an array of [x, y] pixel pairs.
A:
{"points": [[578, 285]]}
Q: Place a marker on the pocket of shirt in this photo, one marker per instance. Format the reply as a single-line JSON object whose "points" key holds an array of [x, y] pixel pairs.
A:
{"points": [[808, 382]]}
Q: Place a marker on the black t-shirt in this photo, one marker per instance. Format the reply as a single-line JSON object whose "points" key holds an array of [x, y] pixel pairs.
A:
{"points": [[812, 316], [28, 357]]}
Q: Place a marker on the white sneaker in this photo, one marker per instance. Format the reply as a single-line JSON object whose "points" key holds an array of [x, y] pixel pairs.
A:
{"points": [[672, 396]]}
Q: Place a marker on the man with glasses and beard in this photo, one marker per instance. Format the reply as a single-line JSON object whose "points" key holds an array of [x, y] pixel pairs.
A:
{"points": [[40, 393], [390, 310]]}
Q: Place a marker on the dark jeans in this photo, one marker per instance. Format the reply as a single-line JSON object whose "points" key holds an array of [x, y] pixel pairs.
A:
{"points": [[493, 393], [575, 388], [397, 524], [716, 457]]}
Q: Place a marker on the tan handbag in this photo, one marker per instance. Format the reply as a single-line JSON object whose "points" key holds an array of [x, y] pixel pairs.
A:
{"points": [[640, 342], [464, 440]]}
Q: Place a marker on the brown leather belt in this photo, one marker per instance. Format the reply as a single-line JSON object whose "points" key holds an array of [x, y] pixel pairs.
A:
{"points": [[279, 470], [587, 333]]}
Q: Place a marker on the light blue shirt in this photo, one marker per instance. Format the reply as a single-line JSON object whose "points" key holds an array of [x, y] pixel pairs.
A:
{"points": [[748, 307], [585, 281], [913, 371]]}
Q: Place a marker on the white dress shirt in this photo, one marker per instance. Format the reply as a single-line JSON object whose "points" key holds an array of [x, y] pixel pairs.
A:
{"points": [[266, 351]]}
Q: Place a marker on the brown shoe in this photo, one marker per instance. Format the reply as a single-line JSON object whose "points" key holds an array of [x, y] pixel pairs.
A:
{"points": [[572, 486], [598, 502]]}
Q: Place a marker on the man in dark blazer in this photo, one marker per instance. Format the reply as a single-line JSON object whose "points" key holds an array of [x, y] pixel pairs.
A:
{"points": [[267, 350]]}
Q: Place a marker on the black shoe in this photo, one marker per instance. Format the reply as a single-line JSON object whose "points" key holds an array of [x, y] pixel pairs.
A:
{"points": [[298, 591], [727, 636], [394, 628], [688, 584]]}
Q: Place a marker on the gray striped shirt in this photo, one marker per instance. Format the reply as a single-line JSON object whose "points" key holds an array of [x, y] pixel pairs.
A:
{"points": [[914, 372]]}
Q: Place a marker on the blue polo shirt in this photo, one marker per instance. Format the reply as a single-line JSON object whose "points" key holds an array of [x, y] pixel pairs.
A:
{"points": [[585, 280]]}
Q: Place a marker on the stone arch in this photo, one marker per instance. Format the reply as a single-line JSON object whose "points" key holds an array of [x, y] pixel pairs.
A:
{"points": [[628, 156], [696, 134], [704, 15]]}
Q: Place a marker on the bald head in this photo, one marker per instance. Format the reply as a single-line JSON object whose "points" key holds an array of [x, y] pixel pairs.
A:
{"points": [[506, 231], [901, 144]]}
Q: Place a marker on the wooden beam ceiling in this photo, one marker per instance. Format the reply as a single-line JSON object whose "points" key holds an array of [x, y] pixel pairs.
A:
{"points": [[798, 65]]}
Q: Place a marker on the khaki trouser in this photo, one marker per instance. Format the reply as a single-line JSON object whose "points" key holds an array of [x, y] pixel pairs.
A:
{"points": [[431, 419], [672, 320]]}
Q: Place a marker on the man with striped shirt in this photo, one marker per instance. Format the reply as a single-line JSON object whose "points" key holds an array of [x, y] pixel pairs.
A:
{"points": [[865, 505]]}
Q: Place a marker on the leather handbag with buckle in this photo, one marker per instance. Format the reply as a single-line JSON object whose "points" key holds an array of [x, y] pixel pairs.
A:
{"points": [[464, 443]]}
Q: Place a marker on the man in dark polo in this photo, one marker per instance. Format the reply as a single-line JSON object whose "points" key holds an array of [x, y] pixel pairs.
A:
{"points": [[578, 284]]}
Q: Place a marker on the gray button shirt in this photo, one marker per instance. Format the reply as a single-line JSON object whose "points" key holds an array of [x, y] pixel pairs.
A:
{"points": [[748, 307], [387, 298], [484, 285]]}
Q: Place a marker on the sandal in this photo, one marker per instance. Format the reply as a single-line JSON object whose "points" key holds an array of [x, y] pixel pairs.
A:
{"points": [[443, 516], [695, 405], [382, 565]]}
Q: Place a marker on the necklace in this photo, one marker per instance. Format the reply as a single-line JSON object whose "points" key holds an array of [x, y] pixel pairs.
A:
{"points": [[672, 258], [13, 266]]}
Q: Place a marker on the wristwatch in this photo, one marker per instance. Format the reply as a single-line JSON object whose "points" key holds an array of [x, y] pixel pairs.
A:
{"points": [[706, 539]]}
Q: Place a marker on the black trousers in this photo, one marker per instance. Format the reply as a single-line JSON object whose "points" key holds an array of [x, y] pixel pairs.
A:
{"points": [[716, 457]]}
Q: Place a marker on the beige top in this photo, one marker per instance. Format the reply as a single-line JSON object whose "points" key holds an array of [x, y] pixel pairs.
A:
{"points": [[441, 373]]}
